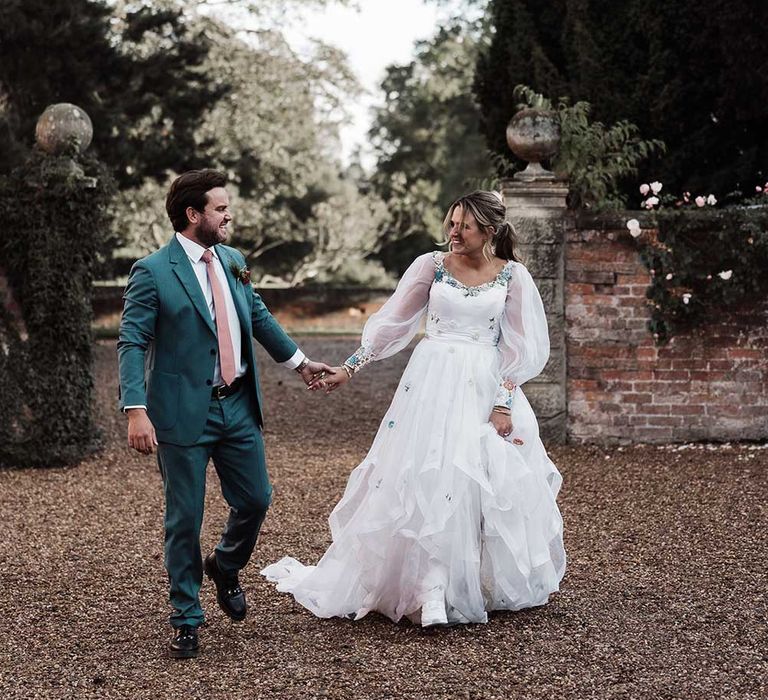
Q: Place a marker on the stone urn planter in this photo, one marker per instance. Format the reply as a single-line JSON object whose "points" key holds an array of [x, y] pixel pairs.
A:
{"points": [[534, 135]]}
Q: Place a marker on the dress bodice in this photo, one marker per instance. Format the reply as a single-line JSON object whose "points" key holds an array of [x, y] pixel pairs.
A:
{"points": [[506, 312], [456, 311]]}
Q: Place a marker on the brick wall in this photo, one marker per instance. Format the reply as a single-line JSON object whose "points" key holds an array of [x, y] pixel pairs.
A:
{"points": [[709, 384]]}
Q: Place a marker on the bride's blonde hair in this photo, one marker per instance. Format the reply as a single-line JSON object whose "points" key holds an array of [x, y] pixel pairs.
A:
{"points": [[490, 213]]}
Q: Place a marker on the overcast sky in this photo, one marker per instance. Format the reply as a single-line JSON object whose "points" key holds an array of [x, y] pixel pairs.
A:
{"points": [[377, 34]]}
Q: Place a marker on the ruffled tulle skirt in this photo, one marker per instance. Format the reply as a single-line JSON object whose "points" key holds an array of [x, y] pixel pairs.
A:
{"points": [[442, 510]]}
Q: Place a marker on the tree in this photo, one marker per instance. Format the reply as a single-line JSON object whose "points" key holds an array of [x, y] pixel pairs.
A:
{"points": [[136, 70], [690, 74], [297, 217], [427, 141]]}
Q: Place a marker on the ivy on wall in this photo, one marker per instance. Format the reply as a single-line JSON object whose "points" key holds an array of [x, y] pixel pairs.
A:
{"points": [[703, 262], [55, 232]]}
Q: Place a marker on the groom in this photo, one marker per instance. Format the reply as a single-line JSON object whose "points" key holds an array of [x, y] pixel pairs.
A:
{"points": [[189, 386]]}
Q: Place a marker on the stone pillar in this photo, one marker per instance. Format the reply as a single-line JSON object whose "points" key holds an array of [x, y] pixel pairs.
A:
{"points": [[538, 212], [535, 201]]}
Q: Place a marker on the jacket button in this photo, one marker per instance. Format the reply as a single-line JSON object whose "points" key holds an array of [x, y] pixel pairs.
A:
{"points": [[213, 352], [208, 382]]}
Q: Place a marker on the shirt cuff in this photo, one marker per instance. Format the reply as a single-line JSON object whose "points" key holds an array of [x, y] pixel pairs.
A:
{"points": [[125, 408], [295, 360]]}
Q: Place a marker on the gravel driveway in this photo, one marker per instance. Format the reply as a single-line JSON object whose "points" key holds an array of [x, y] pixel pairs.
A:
{"points": [[665, 594]]}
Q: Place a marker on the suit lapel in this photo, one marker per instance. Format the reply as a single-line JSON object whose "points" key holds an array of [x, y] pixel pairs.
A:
{"points": [[235, 287], [183, 269]]}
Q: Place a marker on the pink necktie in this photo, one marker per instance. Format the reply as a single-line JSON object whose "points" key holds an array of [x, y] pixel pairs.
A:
{"points": [[226, 354]]}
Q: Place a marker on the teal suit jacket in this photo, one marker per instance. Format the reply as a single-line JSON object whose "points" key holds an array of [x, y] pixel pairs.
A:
{"points": [[167, 346]]}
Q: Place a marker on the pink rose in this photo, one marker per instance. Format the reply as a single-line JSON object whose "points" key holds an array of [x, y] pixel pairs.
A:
{"points": [[700, 201]]}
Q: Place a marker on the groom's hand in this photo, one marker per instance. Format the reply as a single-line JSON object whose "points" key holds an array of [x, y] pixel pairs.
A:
{"points": [[141, 432], [312, 369]]}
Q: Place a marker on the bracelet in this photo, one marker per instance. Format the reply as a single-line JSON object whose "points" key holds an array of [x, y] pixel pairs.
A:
{"points": [[503, 411], [302, 364], [348, 370]]}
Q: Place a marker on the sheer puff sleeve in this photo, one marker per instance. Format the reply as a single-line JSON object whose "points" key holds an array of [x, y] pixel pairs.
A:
{"points": [[524, 339], [393, 326]]}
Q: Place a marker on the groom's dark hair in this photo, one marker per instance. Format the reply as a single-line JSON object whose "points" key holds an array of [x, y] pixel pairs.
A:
{"points": [[188, 190]]}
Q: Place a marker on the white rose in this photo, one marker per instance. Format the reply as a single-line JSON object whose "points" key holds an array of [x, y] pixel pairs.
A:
{"points": [[653, 201], [686, 298], [725, 274], [634, 227], [711, 200], [656, 187]]}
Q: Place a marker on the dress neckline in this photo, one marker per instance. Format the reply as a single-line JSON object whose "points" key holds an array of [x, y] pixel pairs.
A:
{"points": [[502, 276]]}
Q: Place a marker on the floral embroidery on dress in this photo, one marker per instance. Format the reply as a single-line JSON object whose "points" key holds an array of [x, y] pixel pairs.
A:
{"points": [[505, 396], [360, 358], [443, 275]]}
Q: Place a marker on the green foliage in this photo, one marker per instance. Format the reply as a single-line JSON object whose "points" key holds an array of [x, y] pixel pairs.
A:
{"points": [[49, 256], [704, 262], [426, 139], [594, 157], [691, 74], [296, 216], [133, 67]]}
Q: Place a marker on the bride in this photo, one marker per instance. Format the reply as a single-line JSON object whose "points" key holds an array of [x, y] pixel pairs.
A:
{"points": [[452, 513]]}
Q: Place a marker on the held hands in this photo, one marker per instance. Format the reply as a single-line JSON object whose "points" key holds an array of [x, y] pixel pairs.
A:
{"points": [[141, 432], [310, 371], [330, 381]]}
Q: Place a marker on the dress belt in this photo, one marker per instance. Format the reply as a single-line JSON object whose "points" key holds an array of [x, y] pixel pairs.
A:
{"points": [[224, 390]]}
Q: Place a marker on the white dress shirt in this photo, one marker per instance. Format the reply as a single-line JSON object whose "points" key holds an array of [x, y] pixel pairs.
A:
{"points": [[195, 252]]}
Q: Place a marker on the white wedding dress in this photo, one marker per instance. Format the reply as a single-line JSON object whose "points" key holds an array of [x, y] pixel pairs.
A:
{"points": [[443, 513]]}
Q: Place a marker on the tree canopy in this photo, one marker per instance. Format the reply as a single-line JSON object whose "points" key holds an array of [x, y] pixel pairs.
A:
{"points": [[426, 139], [297, 216], [135, 69], [689, 73]]}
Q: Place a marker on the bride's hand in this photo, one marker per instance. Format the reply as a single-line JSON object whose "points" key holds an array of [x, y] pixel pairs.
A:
{"points": [[501, 423], [330, 381]]}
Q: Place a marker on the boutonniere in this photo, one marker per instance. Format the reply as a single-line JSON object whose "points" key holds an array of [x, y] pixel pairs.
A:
{"points": [[241, 273]]}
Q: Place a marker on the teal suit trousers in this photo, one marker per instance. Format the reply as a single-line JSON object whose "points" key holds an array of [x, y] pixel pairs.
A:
{"points": [[232, 440]]}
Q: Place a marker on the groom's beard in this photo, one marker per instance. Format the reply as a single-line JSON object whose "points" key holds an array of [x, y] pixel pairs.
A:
{"points": [[209, 235]]}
